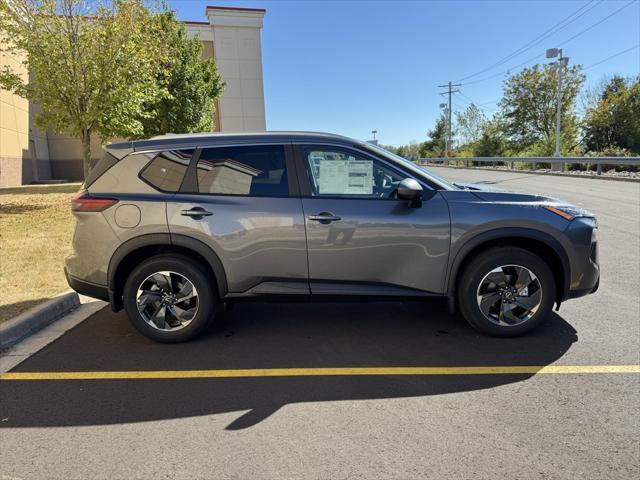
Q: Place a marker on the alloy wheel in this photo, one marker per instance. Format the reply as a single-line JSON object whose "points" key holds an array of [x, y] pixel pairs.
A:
{"points": [[509, 295], [167, 301]]}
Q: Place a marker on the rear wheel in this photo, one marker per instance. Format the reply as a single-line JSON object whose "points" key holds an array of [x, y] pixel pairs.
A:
{"points": [[170, 298], [506, 291]]}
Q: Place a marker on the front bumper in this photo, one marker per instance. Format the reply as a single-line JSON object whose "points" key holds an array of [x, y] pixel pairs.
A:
{"points": [[87, 288], [583, 292], [585, 267]]}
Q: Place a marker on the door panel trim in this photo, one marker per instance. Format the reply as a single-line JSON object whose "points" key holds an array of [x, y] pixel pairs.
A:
{"points": [[365, 289]]}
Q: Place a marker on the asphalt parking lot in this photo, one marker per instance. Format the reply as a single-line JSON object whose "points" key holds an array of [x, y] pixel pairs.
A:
{"points": [[477, 425]]}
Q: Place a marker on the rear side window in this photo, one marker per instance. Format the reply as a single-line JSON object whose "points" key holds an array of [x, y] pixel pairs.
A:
{"points": [[105, 163], [252, 171], [167, 169]]}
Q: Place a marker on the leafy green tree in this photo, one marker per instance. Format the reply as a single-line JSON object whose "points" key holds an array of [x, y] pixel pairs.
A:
{"points": [[613, 120], [471, 124], [528, 106], [393, 149], [93, 66], [192, 83], [436, 144], [491, 142]]}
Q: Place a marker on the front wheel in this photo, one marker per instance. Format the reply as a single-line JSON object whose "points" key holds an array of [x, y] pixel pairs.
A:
{"points": [[506, 291], [170, 298]]}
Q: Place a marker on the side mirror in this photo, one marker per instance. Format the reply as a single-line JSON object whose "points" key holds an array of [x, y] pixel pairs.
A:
{"points": [[409, 189]]}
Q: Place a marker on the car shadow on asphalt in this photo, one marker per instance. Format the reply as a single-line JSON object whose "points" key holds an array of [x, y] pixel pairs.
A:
{"points": [[267, 335]]}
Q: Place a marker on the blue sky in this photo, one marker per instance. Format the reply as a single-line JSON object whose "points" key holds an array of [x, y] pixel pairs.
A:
{"points": [[353, 66]]}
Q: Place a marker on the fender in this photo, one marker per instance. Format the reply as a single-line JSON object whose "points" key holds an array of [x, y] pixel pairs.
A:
{"points": [[456, 258], [209, 255], [168, 240]]}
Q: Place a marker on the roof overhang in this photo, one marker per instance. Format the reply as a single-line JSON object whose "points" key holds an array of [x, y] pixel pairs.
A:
{"points": [[235, 16]]}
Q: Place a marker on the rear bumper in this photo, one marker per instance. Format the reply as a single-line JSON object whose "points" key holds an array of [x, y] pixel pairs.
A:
{"points": [[87, 288]]}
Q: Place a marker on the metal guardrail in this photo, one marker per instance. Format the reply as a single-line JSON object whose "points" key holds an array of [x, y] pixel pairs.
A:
{"points": [[598, 161]]}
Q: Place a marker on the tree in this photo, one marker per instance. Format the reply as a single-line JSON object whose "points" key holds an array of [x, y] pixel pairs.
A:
{"points": [[528, 106], [613, 118], [491, 142], [471, 124], [192, 83], [436, 144], [93, 68]]}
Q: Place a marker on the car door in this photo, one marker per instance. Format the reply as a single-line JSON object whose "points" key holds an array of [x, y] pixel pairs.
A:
{"points": [[361, 239], [242, 202]]}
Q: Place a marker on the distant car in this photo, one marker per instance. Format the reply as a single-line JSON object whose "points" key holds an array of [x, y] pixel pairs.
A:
{"points": [[173, 227]]}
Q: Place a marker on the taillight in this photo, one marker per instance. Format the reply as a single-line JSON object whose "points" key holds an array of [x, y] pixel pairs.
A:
{"points": [[84, 202]]}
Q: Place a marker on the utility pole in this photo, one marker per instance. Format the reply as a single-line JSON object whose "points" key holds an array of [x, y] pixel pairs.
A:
{"points": [[446, 137], [561, 63], [449, 91]]}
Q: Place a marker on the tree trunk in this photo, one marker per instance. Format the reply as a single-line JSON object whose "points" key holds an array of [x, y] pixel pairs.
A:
{"points": [[86, 151]]}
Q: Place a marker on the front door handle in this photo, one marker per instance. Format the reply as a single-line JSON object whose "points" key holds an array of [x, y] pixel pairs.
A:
{"points": [[325, 217], [196, 213]]}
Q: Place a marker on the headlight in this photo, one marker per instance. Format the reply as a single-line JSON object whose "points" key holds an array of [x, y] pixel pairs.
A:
{"points": [[568, 212]]}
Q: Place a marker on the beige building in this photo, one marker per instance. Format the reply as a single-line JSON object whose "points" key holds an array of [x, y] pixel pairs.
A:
{"points": [[231, 36]]}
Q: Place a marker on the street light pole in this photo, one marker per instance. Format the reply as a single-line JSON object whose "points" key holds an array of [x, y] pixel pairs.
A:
{"points": [[559, 107], [561, 63]]}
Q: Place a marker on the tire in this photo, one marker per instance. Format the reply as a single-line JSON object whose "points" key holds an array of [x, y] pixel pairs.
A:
{"points": [[164, 278], [518, 310]]}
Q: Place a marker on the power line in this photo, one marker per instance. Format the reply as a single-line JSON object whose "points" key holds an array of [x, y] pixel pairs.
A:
{"points": [[470, 101], [612, 56], [504, 71], [597, 23], [561, 43], [478, 103], [544, 35]]}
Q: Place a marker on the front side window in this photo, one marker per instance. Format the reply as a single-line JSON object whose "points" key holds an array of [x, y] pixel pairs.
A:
{"points": [[337, 172], [251, 170], [167, 169]]}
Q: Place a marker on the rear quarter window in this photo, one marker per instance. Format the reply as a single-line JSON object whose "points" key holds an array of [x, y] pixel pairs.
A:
{"points": [[166, 171], [105, 163]]}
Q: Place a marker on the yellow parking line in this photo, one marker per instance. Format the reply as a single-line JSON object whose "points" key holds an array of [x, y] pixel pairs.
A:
{"points": [[305, 372]]}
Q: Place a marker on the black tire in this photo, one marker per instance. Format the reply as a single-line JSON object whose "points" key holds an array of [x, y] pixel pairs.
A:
{"points": [[189, 269], [485, 262]]}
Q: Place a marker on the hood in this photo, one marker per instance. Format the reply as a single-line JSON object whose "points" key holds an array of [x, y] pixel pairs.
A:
{"points": [[484, 187], [489, 193]]}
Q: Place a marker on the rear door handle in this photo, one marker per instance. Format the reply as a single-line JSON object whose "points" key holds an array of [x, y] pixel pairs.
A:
{"points": [[196, 213], [325, 217]]}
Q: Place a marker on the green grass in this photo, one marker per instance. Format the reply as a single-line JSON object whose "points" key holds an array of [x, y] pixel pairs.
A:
{"points": [[36, 227]]}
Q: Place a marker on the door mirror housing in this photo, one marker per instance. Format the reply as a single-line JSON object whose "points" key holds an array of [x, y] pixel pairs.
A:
{"points": [[409, 189]]}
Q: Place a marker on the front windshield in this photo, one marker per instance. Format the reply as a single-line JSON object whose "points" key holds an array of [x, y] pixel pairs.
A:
{"points": [[435, 178]]}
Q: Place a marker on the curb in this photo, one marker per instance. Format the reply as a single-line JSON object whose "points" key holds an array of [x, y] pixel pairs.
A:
{"points": [[36, 318], [532, 172]]}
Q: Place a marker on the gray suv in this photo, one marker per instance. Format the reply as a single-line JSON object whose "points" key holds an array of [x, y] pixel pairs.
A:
{"points": [[173, 228]]}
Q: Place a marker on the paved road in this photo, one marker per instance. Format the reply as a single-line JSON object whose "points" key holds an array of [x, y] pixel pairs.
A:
{"points": [[476, 426]]}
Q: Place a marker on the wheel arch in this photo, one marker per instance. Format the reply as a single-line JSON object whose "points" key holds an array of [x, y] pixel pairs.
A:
{"points": [[537, 242], [137, 249]]}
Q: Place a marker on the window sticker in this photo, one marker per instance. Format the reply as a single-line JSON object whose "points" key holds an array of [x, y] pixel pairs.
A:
{"points": [[343, 177], [360, 177]]}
